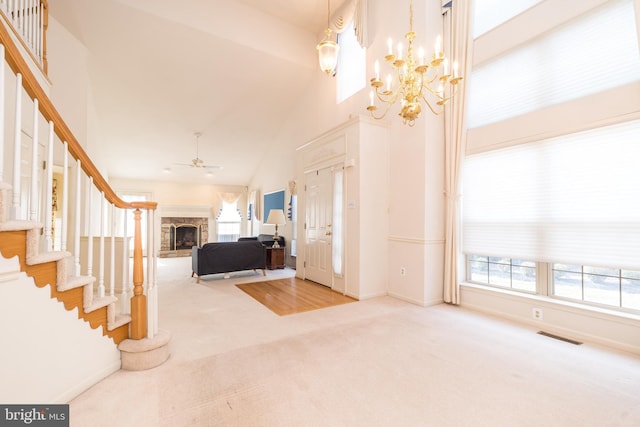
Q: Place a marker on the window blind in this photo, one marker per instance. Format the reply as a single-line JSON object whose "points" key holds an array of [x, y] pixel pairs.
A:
{"points": [[573, 199], [590, 54], [488, 14]]}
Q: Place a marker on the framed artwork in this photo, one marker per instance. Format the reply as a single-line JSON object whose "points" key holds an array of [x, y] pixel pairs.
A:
{"points": [[273, 200]]}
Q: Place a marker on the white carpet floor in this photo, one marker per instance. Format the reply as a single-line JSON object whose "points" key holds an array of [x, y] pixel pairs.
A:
{"points": [[379, 362]]}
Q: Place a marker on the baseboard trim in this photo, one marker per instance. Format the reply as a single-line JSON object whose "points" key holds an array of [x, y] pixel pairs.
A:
{"points": [[70, 394], [424, 303]]}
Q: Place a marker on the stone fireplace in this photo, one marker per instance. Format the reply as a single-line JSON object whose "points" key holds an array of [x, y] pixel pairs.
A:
{"points": [[179, 234]]}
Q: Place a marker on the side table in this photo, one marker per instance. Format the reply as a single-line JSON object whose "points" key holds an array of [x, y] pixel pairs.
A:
{"points": [[275, 258]]}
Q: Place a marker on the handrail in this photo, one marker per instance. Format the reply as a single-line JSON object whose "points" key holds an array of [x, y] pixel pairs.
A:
{"points": [[32, 87]]}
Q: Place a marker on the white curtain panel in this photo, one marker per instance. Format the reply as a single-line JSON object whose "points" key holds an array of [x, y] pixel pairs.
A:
{"points": [[457, 21], [353, 10]]}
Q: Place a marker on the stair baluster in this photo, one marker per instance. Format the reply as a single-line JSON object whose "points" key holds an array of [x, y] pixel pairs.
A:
{"points": [[101, 289], [124, 295], [33, 199], [65, 197], [17, 151], [78, 215], [112, 257], [47, 244]]}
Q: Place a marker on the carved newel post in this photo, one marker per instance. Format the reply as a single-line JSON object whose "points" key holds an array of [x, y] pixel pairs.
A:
{"points": [[139, 300]]}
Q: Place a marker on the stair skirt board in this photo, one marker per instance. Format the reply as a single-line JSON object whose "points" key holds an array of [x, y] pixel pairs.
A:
{"points": [[17, 243]]}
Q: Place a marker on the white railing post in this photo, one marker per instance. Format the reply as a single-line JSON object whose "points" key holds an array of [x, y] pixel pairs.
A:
{"points": [[151, 290], [17, 151], [124, 299], [33, 199], [112, 258], [101, 290], [89, 217], [155, 272], [48, 191], [65, 198], [76, 245]]}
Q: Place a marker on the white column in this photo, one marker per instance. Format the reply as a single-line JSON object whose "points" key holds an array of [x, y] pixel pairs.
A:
{"points": [[17, 150], [33, 199]]}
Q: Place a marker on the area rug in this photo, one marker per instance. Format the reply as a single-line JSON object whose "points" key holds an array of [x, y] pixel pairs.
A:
{"points": [[293, 295]]}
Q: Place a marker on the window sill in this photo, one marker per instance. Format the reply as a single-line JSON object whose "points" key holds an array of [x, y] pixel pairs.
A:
{"points": [[555, 303]]}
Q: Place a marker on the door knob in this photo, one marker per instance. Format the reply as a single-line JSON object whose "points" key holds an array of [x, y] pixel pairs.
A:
{"points": [[328, 233]]}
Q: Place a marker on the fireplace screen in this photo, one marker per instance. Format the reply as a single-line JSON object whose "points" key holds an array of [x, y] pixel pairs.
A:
{"points": [[184, 236]]}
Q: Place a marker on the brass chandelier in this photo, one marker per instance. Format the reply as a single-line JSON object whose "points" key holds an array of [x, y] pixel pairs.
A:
{"points": [[416, 79]]}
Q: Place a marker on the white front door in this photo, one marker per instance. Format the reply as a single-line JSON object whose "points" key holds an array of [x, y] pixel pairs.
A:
{"points": [[318, 226]]}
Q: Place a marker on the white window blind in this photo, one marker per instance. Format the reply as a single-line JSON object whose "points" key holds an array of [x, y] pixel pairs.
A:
{"points": [[488, 14], [573, 199], [592, 53]]}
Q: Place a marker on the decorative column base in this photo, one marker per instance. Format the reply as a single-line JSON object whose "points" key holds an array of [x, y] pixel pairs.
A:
{"points": [[139, 355]]}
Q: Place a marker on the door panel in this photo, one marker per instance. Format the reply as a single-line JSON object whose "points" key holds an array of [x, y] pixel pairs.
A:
{"points": [[318, 226]]}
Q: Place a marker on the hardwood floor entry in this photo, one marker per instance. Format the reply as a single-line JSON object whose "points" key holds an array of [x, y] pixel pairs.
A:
{"points": [[293, 295]]}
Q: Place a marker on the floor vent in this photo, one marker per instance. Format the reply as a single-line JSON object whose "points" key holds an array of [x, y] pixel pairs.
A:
{"points": [[557, 337]]}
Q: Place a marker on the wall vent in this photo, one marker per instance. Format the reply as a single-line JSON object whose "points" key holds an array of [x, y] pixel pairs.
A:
{"points": [[557, 337]]}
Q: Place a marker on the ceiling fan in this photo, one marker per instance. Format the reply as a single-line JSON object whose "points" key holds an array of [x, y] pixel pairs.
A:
{"points": [[198, 162]]}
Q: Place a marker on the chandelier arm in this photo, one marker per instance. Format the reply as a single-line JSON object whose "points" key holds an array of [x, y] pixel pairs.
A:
{"points": [[433, 110], [388, 98]]}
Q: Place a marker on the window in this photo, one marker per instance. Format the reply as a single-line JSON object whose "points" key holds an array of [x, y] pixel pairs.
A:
{"points": [[503, 272], [605, 286], [558, 66], [228, 222], [293, 217], [351, 68], [550, 197], [491, 13], [337, 237]]}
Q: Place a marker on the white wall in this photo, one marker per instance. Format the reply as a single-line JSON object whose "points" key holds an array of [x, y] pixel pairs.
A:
{"points": [[69, 79], [53, 356], [416, 157]]}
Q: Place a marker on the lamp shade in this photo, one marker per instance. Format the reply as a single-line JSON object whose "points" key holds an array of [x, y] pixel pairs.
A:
{"points": [[276, 217], [328, 55]]}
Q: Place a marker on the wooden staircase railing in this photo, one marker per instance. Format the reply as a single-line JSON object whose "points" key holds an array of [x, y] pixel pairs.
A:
{"points": [[30, 215]]}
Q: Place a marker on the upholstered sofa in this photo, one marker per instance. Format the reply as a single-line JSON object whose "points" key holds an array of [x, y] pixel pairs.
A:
{"points": [[265, 239], [226, 257]]}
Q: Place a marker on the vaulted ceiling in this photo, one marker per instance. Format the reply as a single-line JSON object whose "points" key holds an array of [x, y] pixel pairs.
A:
{"points": [[161, 70]]}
